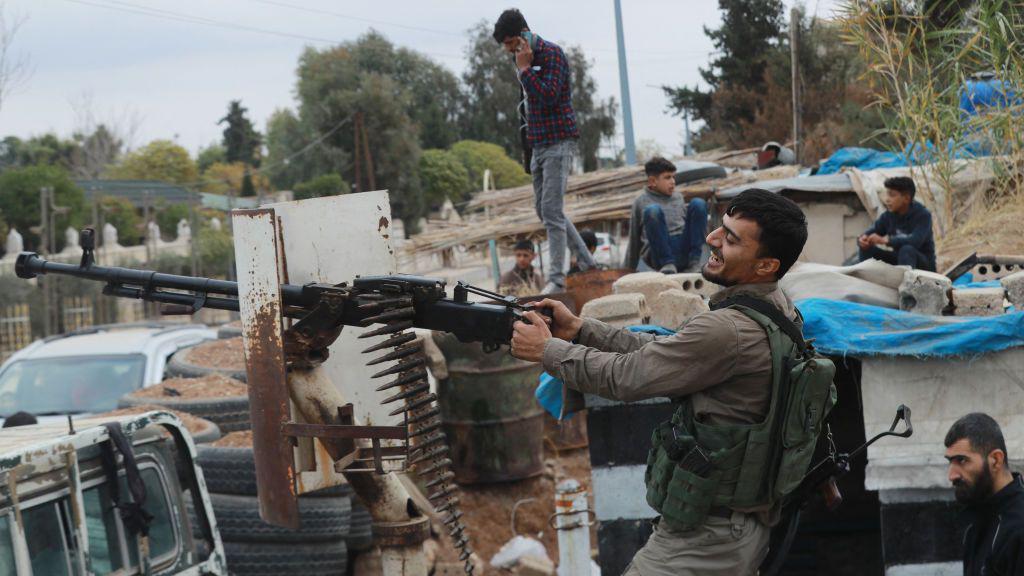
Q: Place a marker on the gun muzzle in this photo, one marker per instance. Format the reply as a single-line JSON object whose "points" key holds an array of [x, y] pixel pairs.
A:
{"points": [[28, 265]]}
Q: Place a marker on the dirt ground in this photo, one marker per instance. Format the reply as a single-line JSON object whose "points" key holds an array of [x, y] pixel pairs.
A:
{"points": [[212, 386], [225, 354], [487, 508], [240, 439], [192, 423], [994, 231]]}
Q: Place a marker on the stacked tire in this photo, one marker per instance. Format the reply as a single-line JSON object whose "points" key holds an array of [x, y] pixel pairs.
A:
{"points": [[254, 547], [228, 408]]}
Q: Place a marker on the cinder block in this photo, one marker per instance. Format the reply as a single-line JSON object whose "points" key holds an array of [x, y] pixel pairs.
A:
{"points": [[1014, 286], [650, 284], [695, 282], [618, 309], [534, 566], [924, 292], [978, 301], [674, 307]]}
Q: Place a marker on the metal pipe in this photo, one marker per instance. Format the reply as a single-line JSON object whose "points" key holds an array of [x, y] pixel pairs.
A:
{"points": [[390, 505], [572, 521], [627, 110]]}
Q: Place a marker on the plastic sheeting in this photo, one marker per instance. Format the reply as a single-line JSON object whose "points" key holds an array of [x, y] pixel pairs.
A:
{"points": [[848, 328], [863, 158]]}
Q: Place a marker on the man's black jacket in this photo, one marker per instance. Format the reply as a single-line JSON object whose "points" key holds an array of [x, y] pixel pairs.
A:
{"points": [[994, 539], [911, 229]]}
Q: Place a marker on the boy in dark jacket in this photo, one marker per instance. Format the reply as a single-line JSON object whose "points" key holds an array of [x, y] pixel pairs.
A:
{"points": [[905, 227], [980, 473]]}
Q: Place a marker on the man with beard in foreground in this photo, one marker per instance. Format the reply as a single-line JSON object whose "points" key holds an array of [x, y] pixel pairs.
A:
{"points": [[718, 367], [980, 473]]}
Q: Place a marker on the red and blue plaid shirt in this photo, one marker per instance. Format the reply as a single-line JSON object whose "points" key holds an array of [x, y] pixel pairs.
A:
{"points": [[547, 84]]}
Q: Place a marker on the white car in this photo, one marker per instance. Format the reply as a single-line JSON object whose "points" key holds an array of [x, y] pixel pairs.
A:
{"points": [[87, 370]]}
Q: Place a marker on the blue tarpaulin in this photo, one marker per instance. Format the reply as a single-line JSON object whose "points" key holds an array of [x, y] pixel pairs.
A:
{"points": [[863, 158], [848, 328]]}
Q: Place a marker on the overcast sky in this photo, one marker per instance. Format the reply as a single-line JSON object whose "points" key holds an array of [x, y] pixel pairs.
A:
{"points": [[174, 64]]}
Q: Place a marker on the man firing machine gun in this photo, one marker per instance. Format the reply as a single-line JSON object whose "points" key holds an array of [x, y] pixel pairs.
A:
{"points": [[400, 303]]}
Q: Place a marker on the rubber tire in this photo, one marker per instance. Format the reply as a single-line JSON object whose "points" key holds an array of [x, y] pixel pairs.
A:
{"points": [[226, 331], [360, 534], [323, 520], [262, 559], [233, 471], [178, 367], [210, 433], [229, 413], [704, 172]]}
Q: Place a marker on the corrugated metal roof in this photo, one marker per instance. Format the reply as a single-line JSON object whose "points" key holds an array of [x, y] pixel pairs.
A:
{"points": [[136, 191], [828, 184]]}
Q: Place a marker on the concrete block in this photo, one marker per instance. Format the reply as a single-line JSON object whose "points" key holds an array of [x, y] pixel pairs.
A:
{"points": [[534, 566], [694, 282], [978, 301], [618, 309], [650, 284], [924, 292], [1014, 286], [674, 307]]}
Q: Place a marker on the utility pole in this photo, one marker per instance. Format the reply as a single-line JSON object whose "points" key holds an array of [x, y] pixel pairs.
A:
{"points": [[794, 56], [627, 111], [687, 147]]}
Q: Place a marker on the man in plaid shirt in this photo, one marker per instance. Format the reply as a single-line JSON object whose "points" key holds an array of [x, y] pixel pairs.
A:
{"points": [[550, 125]]}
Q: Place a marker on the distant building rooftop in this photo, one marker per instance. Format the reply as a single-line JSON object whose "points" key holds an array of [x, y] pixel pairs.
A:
{"points": [[137, 191]]}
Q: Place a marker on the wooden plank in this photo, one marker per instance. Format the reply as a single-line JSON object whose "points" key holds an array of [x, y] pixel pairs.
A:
{"points": [[256, 256]]}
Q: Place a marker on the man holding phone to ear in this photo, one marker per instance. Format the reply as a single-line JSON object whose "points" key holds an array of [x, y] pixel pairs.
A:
{"points": [[551, 133]]}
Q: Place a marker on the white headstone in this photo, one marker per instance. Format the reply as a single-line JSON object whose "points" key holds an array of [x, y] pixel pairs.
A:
{"points": [[15, 243], [184, 230], [70, 239], [152, 231], [109, 235], [215, 224]]}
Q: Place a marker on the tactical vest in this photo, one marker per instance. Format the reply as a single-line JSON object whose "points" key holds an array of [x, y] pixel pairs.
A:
{"points": [[693, 466]]}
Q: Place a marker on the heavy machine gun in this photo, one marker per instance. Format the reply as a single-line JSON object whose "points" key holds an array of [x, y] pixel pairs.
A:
{"points": [[320, 311]]}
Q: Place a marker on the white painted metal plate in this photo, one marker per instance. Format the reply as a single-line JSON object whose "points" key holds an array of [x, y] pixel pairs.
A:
{"points": [[332, 240]]}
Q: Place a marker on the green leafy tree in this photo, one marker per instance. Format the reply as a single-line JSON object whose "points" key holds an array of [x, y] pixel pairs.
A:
{"points": [[45, 150], [477, 157], [213, 154], [326, 185], [160, 160], [594, 119], [443, 177], [295, 153], [337, 84], [120, 213], [19, 200], [168, 216], [492, 91], [743, 43], [241, 140]]}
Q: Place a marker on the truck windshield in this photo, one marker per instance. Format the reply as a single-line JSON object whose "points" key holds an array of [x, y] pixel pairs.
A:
{"points": [[69, 385]]}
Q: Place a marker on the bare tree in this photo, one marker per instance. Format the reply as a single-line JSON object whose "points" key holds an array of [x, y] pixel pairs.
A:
{"points": [[14, 68], [101, 140]]}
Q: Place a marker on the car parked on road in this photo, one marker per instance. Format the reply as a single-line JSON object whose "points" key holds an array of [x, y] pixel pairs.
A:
{"points": [[88, 370]]}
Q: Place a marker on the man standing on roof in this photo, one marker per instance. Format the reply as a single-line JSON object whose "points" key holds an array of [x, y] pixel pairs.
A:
{"points": [[551, 132], [905, 227], [707, 472]]}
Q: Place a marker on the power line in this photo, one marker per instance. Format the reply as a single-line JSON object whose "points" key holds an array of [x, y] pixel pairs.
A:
{"points": [[356, 18], [116, 5]]}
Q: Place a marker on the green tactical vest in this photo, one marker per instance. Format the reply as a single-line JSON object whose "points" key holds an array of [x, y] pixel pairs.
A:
{"points": [[693, 467]]}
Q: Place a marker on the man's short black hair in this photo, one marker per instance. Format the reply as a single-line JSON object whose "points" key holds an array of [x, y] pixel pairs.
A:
{"points": [[981, 430], [783, 224], [524, 245], [658, 165], [510, 23], [19, 419], [589, 238], [902, 184]]}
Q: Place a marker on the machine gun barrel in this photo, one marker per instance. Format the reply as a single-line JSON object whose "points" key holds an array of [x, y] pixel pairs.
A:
{"points": [[470, 321]]}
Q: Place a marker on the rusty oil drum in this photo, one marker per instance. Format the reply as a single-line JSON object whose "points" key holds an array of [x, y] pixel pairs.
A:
{"points": [[494, 424]]}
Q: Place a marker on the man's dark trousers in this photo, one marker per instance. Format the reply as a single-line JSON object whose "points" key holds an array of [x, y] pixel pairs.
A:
{"points": [[907, 255], [679, 249]]}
